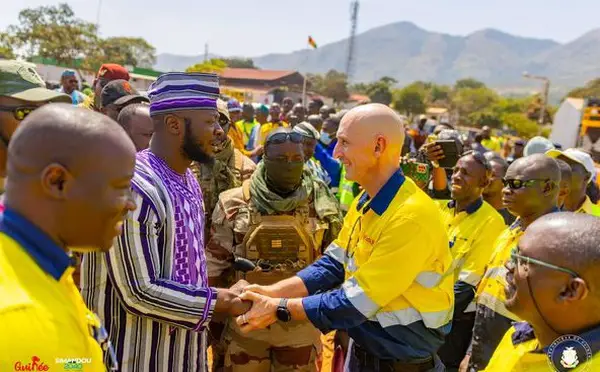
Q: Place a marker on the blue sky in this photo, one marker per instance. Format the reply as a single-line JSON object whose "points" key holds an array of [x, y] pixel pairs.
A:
{"points": [[256, 27]]}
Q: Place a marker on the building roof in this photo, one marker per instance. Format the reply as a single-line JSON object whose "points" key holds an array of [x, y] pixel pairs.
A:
{"points": [[253, 74], [436, 110]]}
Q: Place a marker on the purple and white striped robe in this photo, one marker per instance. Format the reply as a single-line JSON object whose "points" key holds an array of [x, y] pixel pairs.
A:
{"points": [[151, 290]]}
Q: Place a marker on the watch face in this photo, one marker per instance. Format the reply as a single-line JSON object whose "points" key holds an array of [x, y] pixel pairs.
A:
{"points": [[283, 314]]}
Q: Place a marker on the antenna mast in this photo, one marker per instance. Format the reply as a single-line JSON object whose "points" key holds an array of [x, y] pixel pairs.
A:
{"points": [[351, 40]]}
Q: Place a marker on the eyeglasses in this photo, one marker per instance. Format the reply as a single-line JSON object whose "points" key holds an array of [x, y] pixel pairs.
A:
{"points": [[283, 137], [479, 157], [74, 81], [518, 259], [517, 184], [18, 112]]}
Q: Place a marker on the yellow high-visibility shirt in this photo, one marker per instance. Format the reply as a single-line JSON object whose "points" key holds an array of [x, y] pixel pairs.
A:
{"points": [[519, 351], [492, 144], [589, 208], [43, 319], [472, 234], [490, 291], [267, 128]]}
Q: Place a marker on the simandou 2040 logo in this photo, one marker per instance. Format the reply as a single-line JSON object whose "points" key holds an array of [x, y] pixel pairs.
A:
{"points": [[35, 365]]}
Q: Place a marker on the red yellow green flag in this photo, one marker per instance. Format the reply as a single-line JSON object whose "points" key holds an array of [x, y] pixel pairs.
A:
{"points": [[312, 42]]}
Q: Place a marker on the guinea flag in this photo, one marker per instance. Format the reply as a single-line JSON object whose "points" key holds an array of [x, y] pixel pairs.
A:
{"points": [[312, 42]]}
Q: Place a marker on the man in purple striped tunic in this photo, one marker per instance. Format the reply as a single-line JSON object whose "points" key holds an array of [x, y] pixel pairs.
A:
{"points": [[151, 290]]}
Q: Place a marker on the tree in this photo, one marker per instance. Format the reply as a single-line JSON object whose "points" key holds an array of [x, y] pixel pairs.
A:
{"points": [[239, 62], [335, 86], [521, 124], [591, 89], [410, 100], [469, 100], [6, 50], [359, 88], [381, 91], [468, 83], [133, 51], [53, 32], [213, 65]]}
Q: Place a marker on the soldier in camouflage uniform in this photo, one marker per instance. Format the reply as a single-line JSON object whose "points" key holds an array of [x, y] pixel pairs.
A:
{"points": [[229, 170], [281, 219]]}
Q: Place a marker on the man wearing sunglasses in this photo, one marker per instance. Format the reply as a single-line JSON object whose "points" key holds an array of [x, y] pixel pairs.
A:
{"points": [[281, 219], [582, 173], [552, 285], [69, 85], [22, 91], [530, 191], [472, 226]]}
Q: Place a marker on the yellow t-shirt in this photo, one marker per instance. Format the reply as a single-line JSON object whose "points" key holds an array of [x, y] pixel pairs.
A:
{"points": [[267, 128], [43, 319]]}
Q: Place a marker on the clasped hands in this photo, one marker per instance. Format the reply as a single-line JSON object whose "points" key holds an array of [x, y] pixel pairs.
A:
{"points": [[263, 306]]}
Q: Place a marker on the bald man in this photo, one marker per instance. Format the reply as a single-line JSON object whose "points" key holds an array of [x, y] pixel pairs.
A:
{"points": [[531, 191], [69, 173], [382, 278], [551, 285]]}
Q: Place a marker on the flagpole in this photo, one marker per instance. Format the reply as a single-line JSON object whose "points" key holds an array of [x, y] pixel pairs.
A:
{"points": [[304, 80]]}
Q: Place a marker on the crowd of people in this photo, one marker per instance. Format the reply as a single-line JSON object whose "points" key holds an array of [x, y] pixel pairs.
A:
{"points": [[140, 231]]}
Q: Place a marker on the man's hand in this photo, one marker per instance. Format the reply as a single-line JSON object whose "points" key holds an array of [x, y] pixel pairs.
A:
{"points": [[258, 151], [239, 287], [264, 290], [464, 365], [433, 151], [262, 313]]}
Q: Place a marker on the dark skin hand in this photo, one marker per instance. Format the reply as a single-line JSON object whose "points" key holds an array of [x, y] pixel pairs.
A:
{"points": [[434, 153], [229, 303]]}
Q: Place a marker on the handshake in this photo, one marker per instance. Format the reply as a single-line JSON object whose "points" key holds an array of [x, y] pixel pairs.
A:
{"points": [[253, 306]]}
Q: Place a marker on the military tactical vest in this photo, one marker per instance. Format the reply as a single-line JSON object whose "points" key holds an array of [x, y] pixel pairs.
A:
{"points": [[281, 245]]}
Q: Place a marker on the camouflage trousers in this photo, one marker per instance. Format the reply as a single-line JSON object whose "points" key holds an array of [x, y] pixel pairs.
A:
{"points": [[292, 346]]}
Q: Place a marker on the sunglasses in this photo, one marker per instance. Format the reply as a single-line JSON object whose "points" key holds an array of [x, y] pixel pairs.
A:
{"points": [[517, 184], [279, 138], [19, 113], [517, 258]]}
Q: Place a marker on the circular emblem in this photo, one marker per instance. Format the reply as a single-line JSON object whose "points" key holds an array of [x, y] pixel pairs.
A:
{"points": [[569, 352]]}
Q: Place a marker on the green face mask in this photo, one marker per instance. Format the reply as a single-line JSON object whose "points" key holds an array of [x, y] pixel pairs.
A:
{"points": [[283, 176]]}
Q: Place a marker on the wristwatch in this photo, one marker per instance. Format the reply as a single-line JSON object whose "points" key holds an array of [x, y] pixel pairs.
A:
{"points": [[282, 313]]}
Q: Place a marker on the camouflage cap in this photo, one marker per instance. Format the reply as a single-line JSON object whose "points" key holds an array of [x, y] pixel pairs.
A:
{"points": [[222, 109], [20, 80]]}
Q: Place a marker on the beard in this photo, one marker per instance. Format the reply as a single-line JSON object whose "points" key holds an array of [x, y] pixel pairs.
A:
{"points": [[192, 150]]}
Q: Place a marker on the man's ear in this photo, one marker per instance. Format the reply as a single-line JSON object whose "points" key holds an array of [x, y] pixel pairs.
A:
{"points": [[56, 181], [174, 125], [380, 146]]}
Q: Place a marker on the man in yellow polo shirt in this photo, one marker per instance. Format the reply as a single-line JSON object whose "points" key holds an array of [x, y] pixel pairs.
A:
{"points": [[382, 278], [473, 226], [582, 173], [273, 124], [530, 191], [69, 172], [552, 283], [490, 142]]}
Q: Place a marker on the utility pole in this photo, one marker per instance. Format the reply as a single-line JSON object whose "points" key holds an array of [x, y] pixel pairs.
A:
{"points": [[205, 52], [98, 15], [351, 40], [544, 94]]}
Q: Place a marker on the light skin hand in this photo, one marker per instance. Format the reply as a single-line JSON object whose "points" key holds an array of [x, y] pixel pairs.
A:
{"points": [[261, 315], [263, 311], [464, 365], [290, 288]]}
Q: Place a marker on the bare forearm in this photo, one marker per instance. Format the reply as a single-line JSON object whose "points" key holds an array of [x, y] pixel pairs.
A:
{"points": [[289, 288], [439, 179], [296, 309]]}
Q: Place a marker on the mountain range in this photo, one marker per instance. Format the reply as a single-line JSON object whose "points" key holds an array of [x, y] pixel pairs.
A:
{"points": [[408, 53]]}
